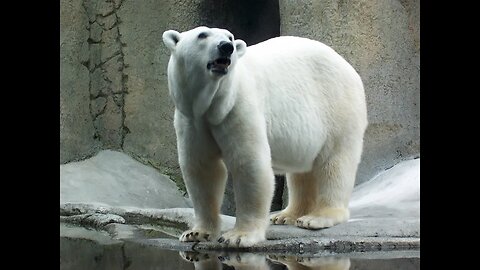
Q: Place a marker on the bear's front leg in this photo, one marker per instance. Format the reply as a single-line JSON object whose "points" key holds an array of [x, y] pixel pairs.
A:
{"points": [[246, 152], [205, 184], [204, 174], [253, 186]]}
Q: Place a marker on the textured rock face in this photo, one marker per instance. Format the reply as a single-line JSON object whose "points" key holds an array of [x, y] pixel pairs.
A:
{"points": [[76, 125], [92, 91], [381, 39], [106, 66], [148, 108]]}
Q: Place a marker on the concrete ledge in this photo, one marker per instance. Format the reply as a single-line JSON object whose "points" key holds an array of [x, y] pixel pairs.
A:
{"points": [[357, 237]]}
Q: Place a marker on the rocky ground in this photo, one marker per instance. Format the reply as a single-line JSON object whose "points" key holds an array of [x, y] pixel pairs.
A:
{"points": [[124, 200]]}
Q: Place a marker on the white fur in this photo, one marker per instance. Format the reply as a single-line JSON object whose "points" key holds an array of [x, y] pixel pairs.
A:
{"points": [[287, 105]]}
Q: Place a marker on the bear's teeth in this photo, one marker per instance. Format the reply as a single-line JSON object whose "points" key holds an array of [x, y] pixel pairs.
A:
{"points": [[222, 61]]}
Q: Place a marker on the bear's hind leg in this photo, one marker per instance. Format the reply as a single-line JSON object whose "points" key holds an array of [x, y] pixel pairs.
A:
{"points": [[335, 178], [302, 194]]}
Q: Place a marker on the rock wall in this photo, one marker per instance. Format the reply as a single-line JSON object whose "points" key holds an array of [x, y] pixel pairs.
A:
{"points": [[148, 108], [381, 39], [76, 124]]}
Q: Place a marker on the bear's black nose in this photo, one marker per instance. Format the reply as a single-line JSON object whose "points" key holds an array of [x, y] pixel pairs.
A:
{"points": [[225, 48]]}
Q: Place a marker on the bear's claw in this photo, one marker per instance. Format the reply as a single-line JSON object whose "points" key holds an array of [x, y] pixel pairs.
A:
{"points": [[195, 236], [240, 238], [283, 218], [190, 256]]}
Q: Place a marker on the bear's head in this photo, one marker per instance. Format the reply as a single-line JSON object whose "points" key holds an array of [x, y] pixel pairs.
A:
{"points": [[202, 49]]}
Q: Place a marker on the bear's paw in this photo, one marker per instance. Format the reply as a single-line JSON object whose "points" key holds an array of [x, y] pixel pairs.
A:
{"points": [[191, 256], [323, 218], [244, 260], [283, 217], [301, 262], [236, 238], [195, 236]]}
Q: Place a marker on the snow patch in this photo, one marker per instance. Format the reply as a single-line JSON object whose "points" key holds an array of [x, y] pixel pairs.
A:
{"points": [[395, 191]]}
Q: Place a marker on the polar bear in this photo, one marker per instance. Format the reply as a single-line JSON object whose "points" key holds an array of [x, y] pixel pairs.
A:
{"points": [[288, 105]]}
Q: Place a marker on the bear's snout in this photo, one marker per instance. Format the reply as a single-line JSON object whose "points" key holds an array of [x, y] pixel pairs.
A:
{"points": [[219, 65], [225, 48]]}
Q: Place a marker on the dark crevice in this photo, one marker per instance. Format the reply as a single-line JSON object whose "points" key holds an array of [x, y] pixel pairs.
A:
{"points": [[113, 26], [250, 20], [108, 14], [96, 135], [91, 41], [124, 131], [102, 111], [100, 94], [86, 63], [118, 99], [111, 57], [93, 68]]}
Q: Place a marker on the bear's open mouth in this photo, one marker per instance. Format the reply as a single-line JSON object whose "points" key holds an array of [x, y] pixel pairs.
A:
{"points": [[219, 65]]}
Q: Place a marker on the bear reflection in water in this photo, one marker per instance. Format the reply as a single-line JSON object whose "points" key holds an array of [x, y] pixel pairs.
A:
{"points": [[240, 261]]}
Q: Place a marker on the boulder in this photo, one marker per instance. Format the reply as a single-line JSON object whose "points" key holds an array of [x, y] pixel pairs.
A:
{"points": [[113, 178]]}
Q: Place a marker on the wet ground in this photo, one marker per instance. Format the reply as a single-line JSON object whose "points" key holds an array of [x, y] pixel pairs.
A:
{"points": [[97, 250], [83, 254]]}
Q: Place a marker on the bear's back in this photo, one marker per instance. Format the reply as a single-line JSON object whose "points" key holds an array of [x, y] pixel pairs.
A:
{"points": [[301, 70], [306, 90], [287, 44], [299, 58]]}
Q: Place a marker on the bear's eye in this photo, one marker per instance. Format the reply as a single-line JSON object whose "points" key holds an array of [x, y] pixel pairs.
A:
{"points": [[230, 38], [202, 35]]}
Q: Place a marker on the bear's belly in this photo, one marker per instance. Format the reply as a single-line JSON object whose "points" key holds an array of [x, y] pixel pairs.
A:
{"points": [[296, 131], [295, 150], [283, 167], [287, 160]]}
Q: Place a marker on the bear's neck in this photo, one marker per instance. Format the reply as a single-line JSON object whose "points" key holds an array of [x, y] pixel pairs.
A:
{"points": [[223, 101], [197, 98]]}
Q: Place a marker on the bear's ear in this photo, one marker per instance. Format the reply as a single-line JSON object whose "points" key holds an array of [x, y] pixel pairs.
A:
{"points": [[241, 47], [171, 38]]}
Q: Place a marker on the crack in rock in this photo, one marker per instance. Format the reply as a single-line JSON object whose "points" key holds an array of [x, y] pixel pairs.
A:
{"points": [[106, 66]]}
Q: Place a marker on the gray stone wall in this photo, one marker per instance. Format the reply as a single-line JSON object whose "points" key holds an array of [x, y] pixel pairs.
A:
{"points": [[381, 39], [77, 131], [107, 79], [148, 108]]}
